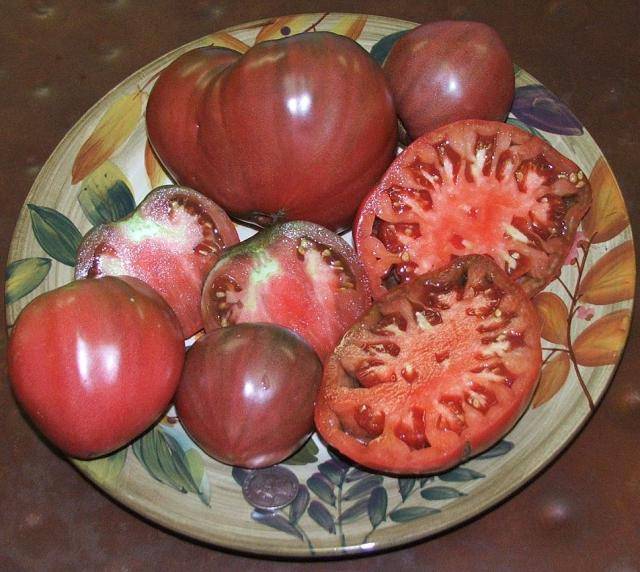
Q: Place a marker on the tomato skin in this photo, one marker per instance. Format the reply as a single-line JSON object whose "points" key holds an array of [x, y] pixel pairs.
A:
{"points": [[95, 362], [274, 127], [472, 187], [247, 393], [437, 371], [171, 241], [296, 274], [442, 72]]}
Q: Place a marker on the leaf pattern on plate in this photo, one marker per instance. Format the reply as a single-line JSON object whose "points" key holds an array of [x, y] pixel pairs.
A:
{"points": [[307, 454], [602, 341], [350, 25], [226, 40], [612, 278], [163, 458], [289, 26], [552, 378], [460, 475], [498, 450], [105, 195], [608, 215], [113, 129], [537, 107], [438, 493], [382, 47], [55, 233], [322, 516], [554, 316], [104, 470], [155, 171], [24, 276], [407, 514]]}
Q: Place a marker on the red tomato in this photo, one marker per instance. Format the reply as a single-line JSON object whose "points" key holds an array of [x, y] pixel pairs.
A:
{"points": [[472, 187], [95, 363], [247, 393], [171, 241], [298, 275], [435, 372], [446, 71], [266, 134]]}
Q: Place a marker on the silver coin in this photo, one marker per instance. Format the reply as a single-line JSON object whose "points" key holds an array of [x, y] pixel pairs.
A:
{"points": [[270, 488]]}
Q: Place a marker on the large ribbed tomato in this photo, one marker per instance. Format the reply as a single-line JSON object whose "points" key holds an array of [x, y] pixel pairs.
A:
{"points": [[436, 371], [298, 128]]}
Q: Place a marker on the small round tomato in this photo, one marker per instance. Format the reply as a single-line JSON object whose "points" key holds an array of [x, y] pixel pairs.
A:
{"points": [[472, 187], [437, 371], [298, 275], [95, 362], [294, 129], [442, 72], [247, 393], [171, 241]]}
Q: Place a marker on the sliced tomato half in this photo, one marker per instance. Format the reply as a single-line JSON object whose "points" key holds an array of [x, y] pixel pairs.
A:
{"points": [[171, 241], [296, 274], [435, 372], [472, 187]]}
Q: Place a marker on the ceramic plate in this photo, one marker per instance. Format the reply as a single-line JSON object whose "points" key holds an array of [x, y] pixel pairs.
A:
{"points": [[339, 509]]}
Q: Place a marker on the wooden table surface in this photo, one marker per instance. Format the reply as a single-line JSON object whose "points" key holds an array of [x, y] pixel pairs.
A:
{"points": [[58, 57]]}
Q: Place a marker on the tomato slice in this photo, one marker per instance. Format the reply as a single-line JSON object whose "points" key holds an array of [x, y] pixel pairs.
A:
{"points": [[298, 275], [435, 372], [472, 187], [171, 241]]}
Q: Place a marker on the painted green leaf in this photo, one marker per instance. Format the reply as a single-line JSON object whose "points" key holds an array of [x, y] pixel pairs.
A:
{"points": [[410, 513], [239, 475], [356, 474], [440, 493], [305, 455], [323, 490], [195, 463], [275, 520], [105, 470], [105, 195], [24, 276], [355, 511], [499, 449], [333, 471], [405, 485], [299, 504], [363, 487], [163, 458], [382, 47], [460, 475], [377, 506], [322, 516], [339, 461], [55, 233], [425, 480]]}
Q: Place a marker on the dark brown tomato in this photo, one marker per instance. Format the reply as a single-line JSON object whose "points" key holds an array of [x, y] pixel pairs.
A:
{"points": [[298, 128], [442, 72], [247, 393], [298, 275], [472, 187], [437, 371], [171, 241]]}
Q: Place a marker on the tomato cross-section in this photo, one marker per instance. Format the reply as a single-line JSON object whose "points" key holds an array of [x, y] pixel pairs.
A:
{"points": [[435, 372], [472, 187]]}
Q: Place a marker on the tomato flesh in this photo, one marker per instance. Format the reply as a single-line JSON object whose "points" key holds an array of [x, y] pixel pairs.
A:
{"points": [[170, 241], [438, 370], [298, 275], [472, 187]]}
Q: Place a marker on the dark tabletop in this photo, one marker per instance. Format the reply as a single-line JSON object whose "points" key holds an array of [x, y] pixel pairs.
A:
{"points": [[58, 57]]}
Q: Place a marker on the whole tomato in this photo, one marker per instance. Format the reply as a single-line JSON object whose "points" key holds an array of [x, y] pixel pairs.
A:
{"points": [[95, 362], [445, 71], [247, 393], [298, 128]]}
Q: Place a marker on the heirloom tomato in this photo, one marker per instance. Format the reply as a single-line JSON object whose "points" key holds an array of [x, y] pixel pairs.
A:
{"points": [[295, 274], [95, 362], [436, 371], [442, 72], [297, 128], [247, 393], [170, 241], [472, 187]]}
